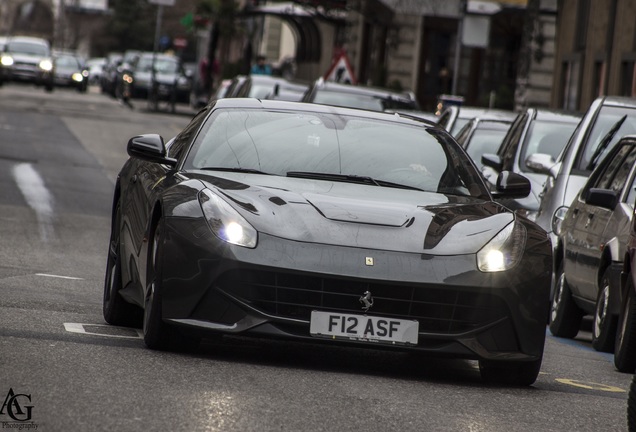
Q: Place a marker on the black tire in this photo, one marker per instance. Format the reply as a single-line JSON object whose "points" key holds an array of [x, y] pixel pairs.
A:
{"points": [[604, 325], [115, 309], [157, 334], [510, 373], [631, 407], [565, 315], [625, 344]]}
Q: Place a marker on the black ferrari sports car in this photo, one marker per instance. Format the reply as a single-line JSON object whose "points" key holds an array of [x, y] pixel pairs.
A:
{"points": [[323, 224]]}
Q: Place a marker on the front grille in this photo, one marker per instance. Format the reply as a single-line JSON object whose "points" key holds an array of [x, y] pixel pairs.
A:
{"points": [[439, 309]]}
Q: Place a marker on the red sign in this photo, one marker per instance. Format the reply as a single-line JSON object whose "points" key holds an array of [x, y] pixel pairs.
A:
{"points": [[180, 43], [341, 71]]}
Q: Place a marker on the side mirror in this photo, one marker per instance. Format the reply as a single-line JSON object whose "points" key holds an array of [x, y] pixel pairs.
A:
{"points": [[151, 148], [512, 185], [492, 160], [541, 163], [604, 198]]}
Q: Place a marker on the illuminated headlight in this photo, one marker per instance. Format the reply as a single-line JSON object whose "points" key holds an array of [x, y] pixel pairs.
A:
{"points": [[127, 78], [225, 222], [557, 219], [78, 77], [46, 65], [85, 73], [6, 60], [504, 251]]}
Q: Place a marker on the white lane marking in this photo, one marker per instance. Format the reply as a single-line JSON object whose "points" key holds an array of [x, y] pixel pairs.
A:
{"points": [[58, 276], [79, 328], [37, 196]]}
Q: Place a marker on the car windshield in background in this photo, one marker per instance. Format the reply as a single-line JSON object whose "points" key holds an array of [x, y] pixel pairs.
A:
{"points": [[545, 137], [458, 125], [607, 118], [162, 65], [349, 147], [67, 61], [484, 141], [362, 101], [27, 48]]}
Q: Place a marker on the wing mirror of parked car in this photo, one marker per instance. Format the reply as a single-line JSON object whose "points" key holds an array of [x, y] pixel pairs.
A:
{"points": [[149, 147], [511, 185], [492, 160], [543, 163], [604, 198]]}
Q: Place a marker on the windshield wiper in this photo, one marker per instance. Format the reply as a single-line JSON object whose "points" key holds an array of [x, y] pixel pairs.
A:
{"points": [[605, 142], [235, 169], [351, 178]]}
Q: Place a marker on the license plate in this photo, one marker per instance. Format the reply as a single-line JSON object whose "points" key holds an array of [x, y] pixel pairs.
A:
{"points": [[363, 328]]}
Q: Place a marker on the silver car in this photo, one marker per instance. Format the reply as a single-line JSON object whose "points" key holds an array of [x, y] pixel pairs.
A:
{"points": [[593, 236], [607, 119]]}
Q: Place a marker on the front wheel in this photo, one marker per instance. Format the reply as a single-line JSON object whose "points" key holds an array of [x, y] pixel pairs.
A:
{"points": [[157, 334], [625, 344], [565, 315], [115, 309], [604, 326], [510, 373]]}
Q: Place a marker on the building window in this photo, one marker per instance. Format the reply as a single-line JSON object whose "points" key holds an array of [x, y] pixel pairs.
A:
{"points": [[600, 69], [570, 84], [628, 79]]}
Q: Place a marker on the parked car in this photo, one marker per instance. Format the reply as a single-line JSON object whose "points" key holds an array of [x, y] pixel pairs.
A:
{"points": [[69, 70], [485, 133], [172, 81], [454, 117], [287, 220], [607, 119], [357, 96], [535, 130], [27, 59], [593, 236], [270, 87]]}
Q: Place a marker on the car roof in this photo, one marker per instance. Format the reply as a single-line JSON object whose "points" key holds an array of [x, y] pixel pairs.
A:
{"points": [[619, 101], [252, 103], [556, 115], [30, 39], [360, 89]]}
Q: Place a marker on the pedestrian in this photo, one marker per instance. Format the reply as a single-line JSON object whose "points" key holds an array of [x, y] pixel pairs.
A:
{"points": [[261, 67]]}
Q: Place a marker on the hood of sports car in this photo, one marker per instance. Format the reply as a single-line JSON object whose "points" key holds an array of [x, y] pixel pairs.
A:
{"points": [[363, 216]]}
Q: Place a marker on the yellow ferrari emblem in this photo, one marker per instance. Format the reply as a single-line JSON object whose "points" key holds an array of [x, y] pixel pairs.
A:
{"points": [[369, 261]]}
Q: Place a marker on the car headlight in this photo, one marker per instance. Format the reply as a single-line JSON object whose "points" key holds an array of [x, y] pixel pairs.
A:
{"points": [[77, 77], [127, 78], [504, 251], [46, 65], [225, 222], [557, 219], [6, 60]]}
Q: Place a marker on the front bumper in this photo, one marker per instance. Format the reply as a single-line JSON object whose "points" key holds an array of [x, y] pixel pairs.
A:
{"points": [[212, 287]]}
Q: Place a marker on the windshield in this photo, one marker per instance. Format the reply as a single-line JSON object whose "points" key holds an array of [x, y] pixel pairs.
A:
{"points": [[606, 119], [279, 143], [485, 139], [545, 137], [28, 48], [162, 65]]}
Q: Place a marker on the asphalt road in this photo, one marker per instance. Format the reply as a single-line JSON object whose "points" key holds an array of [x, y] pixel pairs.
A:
{"points": [[63, 369]]}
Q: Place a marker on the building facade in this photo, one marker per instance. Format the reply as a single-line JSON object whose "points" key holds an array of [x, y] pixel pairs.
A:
{"points": [[596, 52]]}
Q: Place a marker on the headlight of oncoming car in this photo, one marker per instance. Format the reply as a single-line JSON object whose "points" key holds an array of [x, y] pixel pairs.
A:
{"points": [[557, 219], [504, 251], [6, 60], [46, 65], [225, 222]]}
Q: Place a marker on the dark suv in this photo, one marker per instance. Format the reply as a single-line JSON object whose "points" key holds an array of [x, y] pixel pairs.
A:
{"points": [[27, 59]]}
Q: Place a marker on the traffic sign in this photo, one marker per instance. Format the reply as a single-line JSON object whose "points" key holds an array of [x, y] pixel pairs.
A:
{"points": [[341, 71]]}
